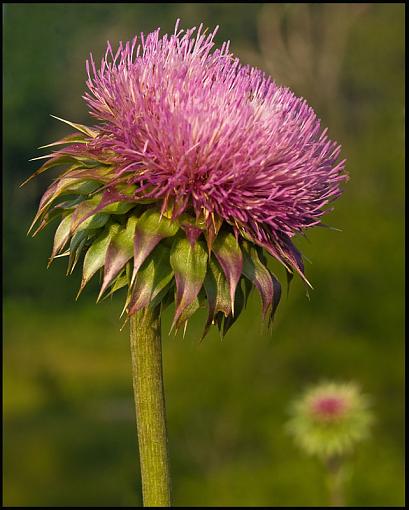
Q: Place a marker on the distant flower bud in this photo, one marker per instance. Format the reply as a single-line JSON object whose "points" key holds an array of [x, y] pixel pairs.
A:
{"points": [[330, 419]]}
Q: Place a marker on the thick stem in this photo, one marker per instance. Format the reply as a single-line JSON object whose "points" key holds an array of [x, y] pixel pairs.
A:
{"points": [[146, 353]]}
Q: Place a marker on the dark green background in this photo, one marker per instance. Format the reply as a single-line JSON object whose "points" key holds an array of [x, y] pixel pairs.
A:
{"points": [[69, 431]]}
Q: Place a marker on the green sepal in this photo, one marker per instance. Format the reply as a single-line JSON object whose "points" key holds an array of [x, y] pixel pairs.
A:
{"points": [[228, 254], [152, 278], [73, 138], [248, 287], [120, 250], [82, 187], [77, 243], [92, 133], [289, 276], [161, 297], [95, 257], [150, 229], [166, 297], [94, 222], [189, 263], [83, 217], [120, 282], [52, 162], [186, 314], [218, 293], [118, 208], [62, 234], [239, 302], [68, 204], [49, 217], [258, 274]]}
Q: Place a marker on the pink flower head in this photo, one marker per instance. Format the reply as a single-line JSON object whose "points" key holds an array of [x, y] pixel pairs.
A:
{"points": [[329, 407], [193, 127], [189, 142]]}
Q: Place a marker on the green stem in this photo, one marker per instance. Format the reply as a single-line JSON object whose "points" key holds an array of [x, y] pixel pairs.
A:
{"points": [[335, 470], [146, 353]]}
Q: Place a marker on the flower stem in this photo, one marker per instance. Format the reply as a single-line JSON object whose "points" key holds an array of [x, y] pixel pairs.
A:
{"points": [[146, 354], [335, 471]]}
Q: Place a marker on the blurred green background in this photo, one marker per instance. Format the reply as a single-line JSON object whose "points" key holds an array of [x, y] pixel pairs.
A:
{"points": [[69, 427]]}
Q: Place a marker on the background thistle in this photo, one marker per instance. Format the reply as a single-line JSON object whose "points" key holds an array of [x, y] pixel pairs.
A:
{"points": [[328, 421], [198, 167]]}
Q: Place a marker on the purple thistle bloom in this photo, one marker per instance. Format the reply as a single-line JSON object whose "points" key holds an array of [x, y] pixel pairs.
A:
{"points": [[212, 144], [196, 127]]}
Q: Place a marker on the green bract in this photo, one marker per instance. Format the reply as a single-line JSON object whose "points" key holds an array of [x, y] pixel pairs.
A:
{"points": [[134, 244]]}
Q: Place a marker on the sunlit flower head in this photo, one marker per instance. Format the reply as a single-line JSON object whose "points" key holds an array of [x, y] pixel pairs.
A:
{"points": [[213, 147]]}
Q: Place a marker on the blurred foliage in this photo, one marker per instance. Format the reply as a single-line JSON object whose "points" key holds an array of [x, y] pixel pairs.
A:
{"points": [[69, 433]]}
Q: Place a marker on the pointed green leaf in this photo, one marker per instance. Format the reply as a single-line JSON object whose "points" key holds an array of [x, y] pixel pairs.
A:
{"points": [[228, 253], [79, 127], [73, 138], [55, 160], [187, 313], [152, 278], [248, 287], [162, 296], [259, 275], [112, 202], [47, 219], [276, 296], [239, 305], [118, 207], [77, 243], [166, 297], [82, 187], [84, 217], [289, 276], [70, 182], [218, 293], [150, 229], [62, 235], [119, 282], [290, 253], [94, 222], [122, 280], [67, 205], [84, 211], [189, 264], [120, 250], [95, 257], [51, 193]]}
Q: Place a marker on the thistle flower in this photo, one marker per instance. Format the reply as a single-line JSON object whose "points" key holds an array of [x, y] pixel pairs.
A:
{"points": [[196, 166], [329, 419]]}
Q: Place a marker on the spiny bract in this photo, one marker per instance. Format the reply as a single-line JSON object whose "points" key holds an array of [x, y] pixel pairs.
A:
{"points": [[196, 165]]}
